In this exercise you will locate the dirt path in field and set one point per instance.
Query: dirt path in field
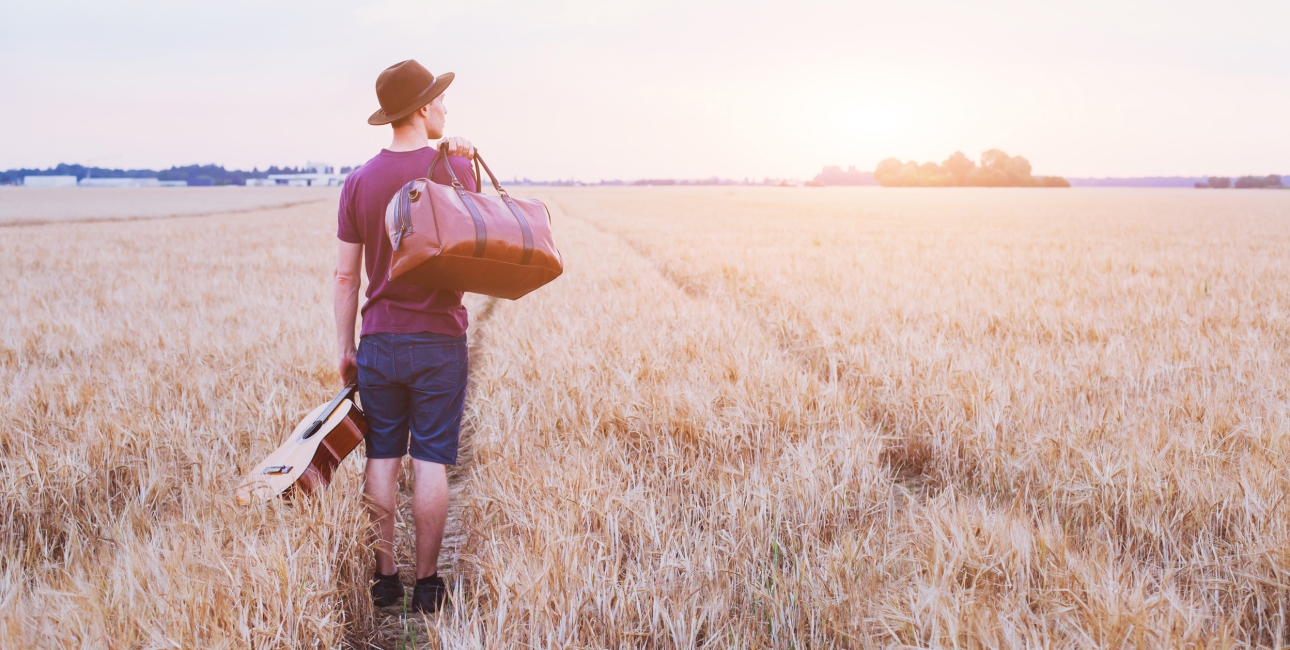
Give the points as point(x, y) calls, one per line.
point(398, 629)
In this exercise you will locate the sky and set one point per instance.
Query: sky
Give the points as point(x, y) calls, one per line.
point(598, 89)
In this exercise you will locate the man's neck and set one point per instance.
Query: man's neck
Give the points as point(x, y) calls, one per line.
point(409, 138)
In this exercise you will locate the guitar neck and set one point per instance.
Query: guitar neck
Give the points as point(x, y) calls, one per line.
point(330, 408)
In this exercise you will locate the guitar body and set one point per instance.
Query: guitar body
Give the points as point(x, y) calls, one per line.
point(307, 458)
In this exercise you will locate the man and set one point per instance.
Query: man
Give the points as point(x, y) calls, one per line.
point(411, 363)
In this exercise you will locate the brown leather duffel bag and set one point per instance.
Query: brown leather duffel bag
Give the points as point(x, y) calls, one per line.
point(446, 237)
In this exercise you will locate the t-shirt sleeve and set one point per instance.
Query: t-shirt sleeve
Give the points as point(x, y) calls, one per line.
point(346, 219)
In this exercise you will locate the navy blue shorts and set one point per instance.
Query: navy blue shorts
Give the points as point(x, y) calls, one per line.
point(416, 383)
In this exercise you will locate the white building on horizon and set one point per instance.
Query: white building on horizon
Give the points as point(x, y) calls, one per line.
point(319, 175)
point(49, 181)
point(119, 182)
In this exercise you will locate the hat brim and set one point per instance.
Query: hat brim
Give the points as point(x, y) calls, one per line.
point(428, 95)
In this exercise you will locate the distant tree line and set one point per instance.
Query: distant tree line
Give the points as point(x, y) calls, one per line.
point(193, 174)
point(1136, 181)
point(997, 169)
point(672, 181)
point(1271, 181)
point(644, 182)
point(835, 175)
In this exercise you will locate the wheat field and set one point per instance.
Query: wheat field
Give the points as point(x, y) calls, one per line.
point(745, 417)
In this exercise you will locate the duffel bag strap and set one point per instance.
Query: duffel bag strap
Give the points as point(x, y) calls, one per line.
point(515, 210)
point(481, 232)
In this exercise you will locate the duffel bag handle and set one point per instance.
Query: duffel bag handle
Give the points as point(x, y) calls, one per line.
point(442, 154)
point(480, 237)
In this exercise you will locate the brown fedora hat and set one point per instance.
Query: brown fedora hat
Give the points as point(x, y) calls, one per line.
point(404, 87)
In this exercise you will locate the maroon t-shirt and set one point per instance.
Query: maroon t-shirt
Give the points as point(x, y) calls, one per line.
point(392, 306)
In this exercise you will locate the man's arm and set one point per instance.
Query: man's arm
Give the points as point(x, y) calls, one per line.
point(348, 275)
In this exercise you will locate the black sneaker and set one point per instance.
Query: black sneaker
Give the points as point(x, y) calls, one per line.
point(387, 590)
point(429, 595)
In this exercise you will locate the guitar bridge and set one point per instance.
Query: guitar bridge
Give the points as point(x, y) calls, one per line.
point(278, 469)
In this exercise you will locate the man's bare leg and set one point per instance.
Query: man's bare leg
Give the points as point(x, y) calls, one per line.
point(429, 512)
point(381, 485)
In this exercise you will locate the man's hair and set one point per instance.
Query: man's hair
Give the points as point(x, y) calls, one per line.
point(403, 121)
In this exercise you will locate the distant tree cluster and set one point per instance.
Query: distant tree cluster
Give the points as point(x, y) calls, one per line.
point(1271, 181)
point(194, 174)
point(997, 169)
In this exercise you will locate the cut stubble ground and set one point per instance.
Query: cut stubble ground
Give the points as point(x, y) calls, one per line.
point(744, 417)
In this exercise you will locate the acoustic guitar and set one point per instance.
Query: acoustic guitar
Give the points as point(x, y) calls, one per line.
point(307, 458)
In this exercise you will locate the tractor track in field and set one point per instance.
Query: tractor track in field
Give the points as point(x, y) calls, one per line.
point(698, 290)
point(400, 628)
point(905, 471)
